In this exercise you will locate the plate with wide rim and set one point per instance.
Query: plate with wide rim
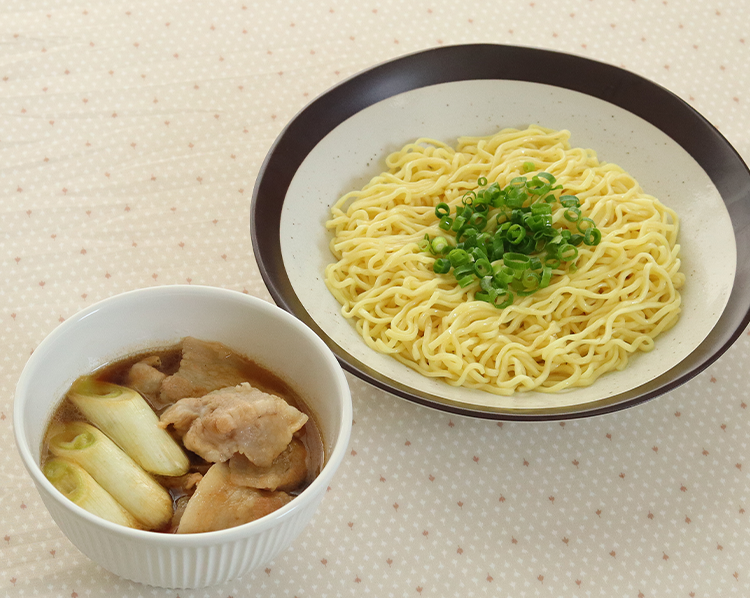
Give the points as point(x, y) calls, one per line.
point(339, 141)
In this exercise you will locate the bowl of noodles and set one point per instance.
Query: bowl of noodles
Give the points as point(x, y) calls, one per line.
point(508, 233)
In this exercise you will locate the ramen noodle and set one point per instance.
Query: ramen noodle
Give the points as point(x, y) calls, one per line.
point(592, 316)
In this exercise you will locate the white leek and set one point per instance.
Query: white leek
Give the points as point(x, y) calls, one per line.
point(115, 471)
point(125, 416)
point(78, 486)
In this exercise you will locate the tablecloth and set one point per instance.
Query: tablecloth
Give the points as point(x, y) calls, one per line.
point(131, 134)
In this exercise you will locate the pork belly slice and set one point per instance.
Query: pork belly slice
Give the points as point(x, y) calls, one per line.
point(147, 379)
point(238, 419)
point(287, 472)
point(219, 504)
point(204, 367)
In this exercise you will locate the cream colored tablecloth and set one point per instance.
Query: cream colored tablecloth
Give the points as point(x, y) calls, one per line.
point(131, 134)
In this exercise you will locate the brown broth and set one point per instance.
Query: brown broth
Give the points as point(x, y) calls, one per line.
point(116, 372)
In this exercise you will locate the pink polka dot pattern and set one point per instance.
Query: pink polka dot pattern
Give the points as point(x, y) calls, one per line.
point(131, 137)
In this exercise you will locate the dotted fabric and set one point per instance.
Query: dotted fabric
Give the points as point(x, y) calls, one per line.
point(131, 134)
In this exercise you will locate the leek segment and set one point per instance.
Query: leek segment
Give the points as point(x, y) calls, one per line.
point(125, 416)
point(115, 471)
point(78, 486)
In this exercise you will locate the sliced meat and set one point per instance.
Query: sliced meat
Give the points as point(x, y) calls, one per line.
point(287, 472)
point(219, 504)
point(239, 419)
point(204, 367)
point(147, 379)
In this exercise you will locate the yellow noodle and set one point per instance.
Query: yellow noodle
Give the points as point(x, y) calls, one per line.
point(585, 323)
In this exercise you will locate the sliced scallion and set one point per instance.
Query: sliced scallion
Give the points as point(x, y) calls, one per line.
point(505, 238)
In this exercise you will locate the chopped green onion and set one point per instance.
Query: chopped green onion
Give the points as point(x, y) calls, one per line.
point(539, 222)
point(588, 224)
point(504, 276)
point(477, 253)
point(567, 252)
point(484, 240)
point(424, 244)
point(592, 236)
point(546, 277)
point(552, 263)
point(498, 247)
point(508, 299)
point(465, 281)
point(547, 177)
point(482, 267)
point(441, 266)
point(576, 239)
point(517, 261)
point(538, 186)
point(516, 233)
point(442, 209)
point(464, 270)
point(495, 195)
point(569, 201)
point(458, 257)
point(516, 247)
point(470, 237)
point(478, 221)
point(530, 280)
point(526, 246)
point(515, 198)
point(541, 208)
point(439, 244)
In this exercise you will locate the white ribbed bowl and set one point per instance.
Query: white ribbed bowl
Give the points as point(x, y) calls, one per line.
point(157, 317)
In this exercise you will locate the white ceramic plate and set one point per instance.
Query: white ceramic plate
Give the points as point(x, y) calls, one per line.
point(625, 119)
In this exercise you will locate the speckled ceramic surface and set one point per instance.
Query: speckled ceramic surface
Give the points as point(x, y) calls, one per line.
point(355, 151)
